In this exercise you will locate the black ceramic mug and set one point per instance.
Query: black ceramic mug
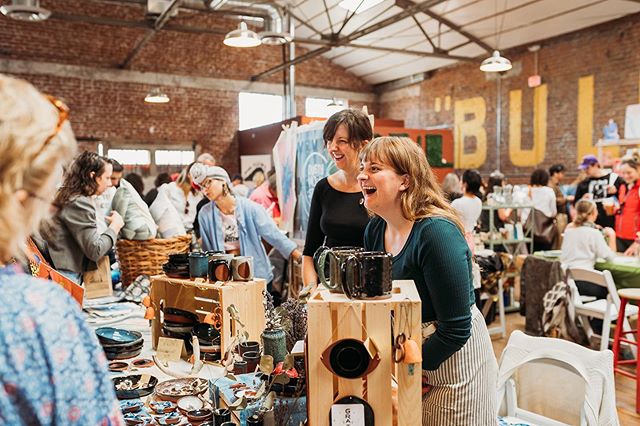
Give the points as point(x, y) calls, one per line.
point(250, 346)
point(221, 415)
point(219, 269)
point(368, 275)
point(253, 359)
point(337, 256)
point(198, 264)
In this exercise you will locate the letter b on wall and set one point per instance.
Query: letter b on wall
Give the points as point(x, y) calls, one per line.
point(469, 116)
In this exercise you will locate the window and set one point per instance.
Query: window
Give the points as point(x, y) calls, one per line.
point(321, 107)
point(130, 156)
point(166, 157)
point(258, 109)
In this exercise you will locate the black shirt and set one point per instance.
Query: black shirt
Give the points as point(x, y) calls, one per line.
point(338, 216)
point(597, 186)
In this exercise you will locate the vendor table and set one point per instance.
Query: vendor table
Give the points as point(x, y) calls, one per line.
point(624, 269)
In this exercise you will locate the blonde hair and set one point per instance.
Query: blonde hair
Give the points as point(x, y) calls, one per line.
point(423, 198)
point(27, 119)
point(584, 208)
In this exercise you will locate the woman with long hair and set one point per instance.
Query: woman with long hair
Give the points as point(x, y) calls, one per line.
point(78, 236)
point(52, 369)
point(415, 223)
point(184, 197)
point(336, 216)
point(628, 217)
point(237, 225)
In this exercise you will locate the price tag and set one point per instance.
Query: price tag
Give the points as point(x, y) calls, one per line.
point(347, 415)
point(170, 349)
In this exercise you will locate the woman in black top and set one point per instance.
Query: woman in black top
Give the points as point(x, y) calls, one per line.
point(337, 216)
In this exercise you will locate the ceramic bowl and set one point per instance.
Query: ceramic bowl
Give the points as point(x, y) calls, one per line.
point(118, 366)
point(179, 258)
point(206, 333)
point(130, 406)
point(134, 386)
point(199, 415)
point(116, 354)
point(179, 316)
point(139, 418)
point(172, 390)
point(116, 336)
point(163, 407)
point(190, 403)
point(170, 419)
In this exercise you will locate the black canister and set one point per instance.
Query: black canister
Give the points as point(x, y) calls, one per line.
point(198, 264)
point(221, 415)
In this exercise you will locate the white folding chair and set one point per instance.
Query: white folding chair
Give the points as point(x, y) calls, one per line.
point(544, 381)
point(604, 309)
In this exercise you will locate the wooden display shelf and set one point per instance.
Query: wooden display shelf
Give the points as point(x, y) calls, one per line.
point(329, 321)
point(201, 297)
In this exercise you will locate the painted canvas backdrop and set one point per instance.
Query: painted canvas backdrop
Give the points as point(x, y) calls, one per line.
point(284, 159)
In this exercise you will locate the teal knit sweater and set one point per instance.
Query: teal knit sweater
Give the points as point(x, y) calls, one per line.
point(437, 258)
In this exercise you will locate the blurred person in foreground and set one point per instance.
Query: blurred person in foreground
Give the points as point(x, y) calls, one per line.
point(52, 369)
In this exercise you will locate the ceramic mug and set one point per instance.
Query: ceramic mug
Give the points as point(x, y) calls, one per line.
point(337, 256)
point(221, 415)
point(250, 346)
point(368, 275)
point(197, 265)
point(242, 268)
point(253, 359)
point(219, 269)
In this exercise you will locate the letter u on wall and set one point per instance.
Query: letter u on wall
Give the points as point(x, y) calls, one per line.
point(535, 155)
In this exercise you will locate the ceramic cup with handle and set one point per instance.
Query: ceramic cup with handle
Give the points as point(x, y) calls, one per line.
point(336, 256)
point(242, 268)
point(368, 275)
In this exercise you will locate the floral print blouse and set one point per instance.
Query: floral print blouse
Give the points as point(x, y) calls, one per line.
point(52, 368)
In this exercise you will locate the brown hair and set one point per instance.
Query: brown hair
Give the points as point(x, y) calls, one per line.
point(357, 123)
point(423, 197)
point(584, 208)
point(29, 163)
point(78, 179)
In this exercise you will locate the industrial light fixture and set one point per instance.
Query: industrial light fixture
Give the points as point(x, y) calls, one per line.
point(495, 63)
point(335, 103)
point(358, 6)
point(156, 96)
point(25, 10)
point(242, 37)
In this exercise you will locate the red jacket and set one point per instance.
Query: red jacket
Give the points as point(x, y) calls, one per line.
point(628, 217)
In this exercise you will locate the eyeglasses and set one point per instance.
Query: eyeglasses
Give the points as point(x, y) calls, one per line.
point(63, 115)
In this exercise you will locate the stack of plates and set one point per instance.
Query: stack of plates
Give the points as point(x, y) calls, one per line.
point(118, 343)
point(178, 324)
point(177, 266)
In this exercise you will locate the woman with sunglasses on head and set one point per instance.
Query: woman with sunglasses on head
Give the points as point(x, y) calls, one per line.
point(336, 215)
point(237, 225)
point(414, 222)
point(78, 236)
point(52, 369)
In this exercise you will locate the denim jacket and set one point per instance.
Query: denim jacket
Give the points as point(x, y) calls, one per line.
point(253, 223)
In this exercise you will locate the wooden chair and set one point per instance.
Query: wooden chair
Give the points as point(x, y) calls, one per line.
point(604, 309)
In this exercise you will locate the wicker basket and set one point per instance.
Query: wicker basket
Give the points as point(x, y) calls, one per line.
point(147, 257)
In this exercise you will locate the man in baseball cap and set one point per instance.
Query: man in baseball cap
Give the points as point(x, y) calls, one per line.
point(600, 187)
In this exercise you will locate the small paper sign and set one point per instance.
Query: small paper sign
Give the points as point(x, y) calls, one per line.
point(347, 415)
point(170, 349)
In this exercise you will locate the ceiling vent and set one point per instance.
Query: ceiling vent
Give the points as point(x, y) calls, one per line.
point(25, 10)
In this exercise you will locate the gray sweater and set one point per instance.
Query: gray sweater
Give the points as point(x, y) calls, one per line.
point(74, 241)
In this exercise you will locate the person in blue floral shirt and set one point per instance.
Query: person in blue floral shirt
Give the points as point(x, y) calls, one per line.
point(52, 368)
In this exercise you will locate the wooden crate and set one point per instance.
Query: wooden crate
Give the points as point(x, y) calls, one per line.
point(333, 317)
point(202, 297)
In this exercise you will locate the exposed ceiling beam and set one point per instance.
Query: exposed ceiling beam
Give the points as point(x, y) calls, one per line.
point(157, 26)
point(351, 37)
point(386, 49)
point(457, 28)
point(433, 46)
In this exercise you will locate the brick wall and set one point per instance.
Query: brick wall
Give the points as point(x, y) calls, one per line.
point(607, 53)
point(116, 111)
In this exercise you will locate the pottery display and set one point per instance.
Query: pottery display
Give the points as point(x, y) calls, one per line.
point(172, 390)
point(134, 386)
point(119, 344)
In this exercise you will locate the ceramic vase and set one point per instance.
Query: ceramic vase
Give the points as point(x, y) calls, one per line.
point(274, 343)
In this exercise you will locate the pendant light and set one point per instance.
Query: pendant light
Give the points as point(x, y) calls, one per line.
point(156, 96)
point(496, 62)
point(242, 37)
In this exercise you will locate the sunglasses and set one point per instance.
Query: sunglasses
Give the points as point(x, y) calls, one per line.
point(63, 115)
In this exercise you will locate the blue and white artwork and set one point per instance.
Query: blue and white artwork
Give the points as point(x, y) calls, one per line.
point(312, 164)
